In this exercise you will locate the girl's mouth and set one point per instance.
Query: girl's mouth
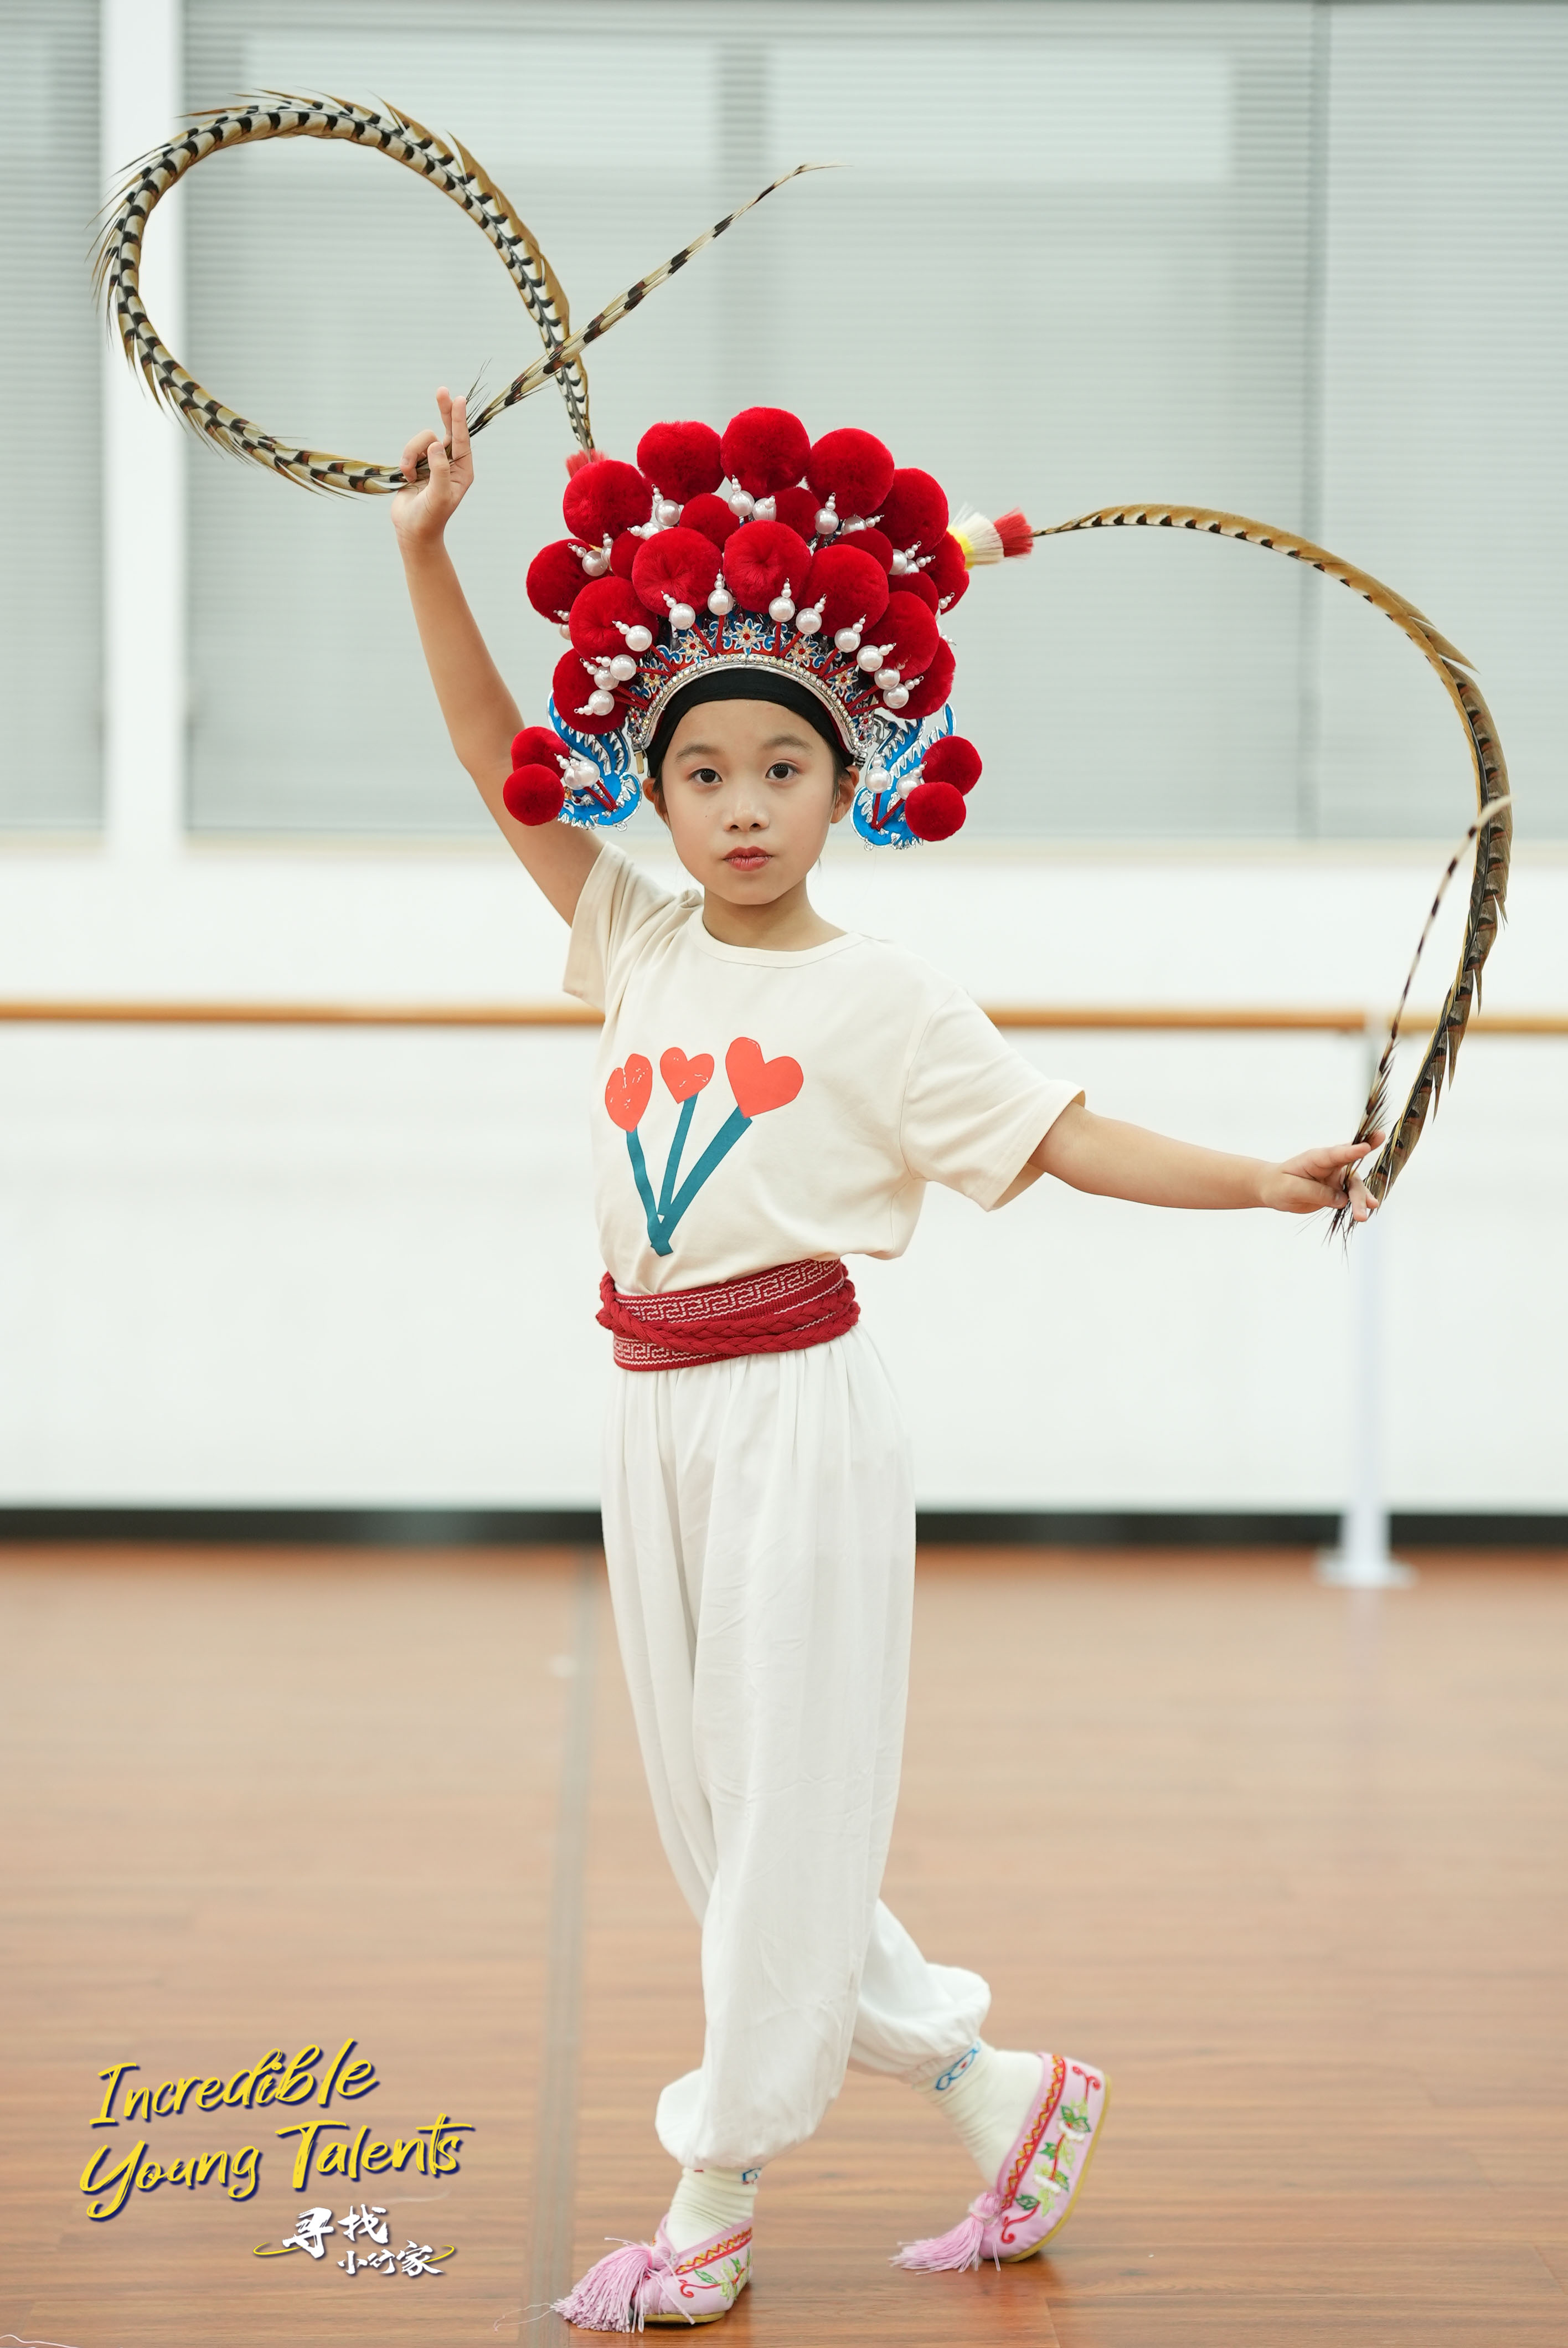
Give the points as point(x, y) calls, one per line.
point(747, 859)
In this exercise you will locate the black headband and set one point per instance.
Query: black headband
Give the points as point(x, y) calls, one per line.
point(742, 684)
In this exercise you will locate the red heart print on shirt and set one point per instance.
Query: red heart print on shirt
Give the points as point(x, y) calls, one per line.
point(684, 1077)
point(757, 1084)
point(629, 1092)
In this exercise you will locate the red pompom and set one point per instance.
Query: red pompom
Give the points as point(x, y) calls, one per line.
point(796, 508)
point(536, 746)
point(675, 566)
point(569, 690)
point(952, 761)
point(682, 461)
point(907, 627)
point(875, 542)
point(853, 469)
point(932, 691)
point(765, 558)
point(533, 795)
point(711, 516)
point(764, 448)
point(916, 582)
point(850, 587)
point(934, 810)
point(948, 571)
point(555, 579)
point(623, 552)
point(604, 497)
point(914, 513)
point(594, 615)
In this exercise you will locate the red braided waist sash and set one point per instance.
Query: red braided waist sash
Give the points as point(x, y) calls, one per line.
point(780, 1311)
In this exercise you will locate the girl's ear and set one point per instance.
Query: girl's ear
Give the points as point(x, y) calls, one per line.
point(844, 794)
point(653, 792)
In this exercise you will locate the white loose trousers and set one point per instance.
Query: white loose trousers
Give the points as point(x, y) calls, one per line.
point(759, 1524)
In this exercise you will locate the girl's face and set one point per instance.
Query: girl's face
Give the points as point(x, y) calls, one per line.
point(749, 793)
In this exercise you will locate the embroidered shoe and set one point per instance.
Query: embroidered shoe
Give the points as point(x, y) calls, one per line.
point(654, 2283)
point(1037, 2183)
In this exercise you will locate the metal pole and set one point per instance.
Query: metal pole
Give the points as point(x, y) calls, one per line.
point(1362, 1560)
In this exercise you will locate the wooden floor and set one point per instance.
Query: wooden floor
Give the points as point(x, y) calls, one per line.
point(1288, 1862)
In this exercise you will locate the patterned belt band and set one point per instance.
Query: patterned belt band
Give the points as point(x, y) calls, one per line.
point(775, 1312)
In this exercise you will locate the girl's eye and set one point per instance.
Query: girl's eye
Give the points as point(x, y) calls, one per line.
point(780, 772)
point(704, 775)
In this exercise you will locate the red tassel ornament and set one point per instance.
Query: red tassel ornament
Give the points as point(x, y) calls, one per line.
point(948, 571)
point(953, 760)
point(853, 471)
point(934, 810)
point(874, 542)
point(574, 693)
point(711, 516)
point(850, 587)
point(934, 686)
point(1016, 532)
point(764, 450)
point(604, 499)
point(763, 562)
point(533, 795)
point(909, 628)
point(675, 572)
point(797, 509)
point(536, 746)
point(681, 460)
point(915, 511)
point(555, 579)
point(602, 613)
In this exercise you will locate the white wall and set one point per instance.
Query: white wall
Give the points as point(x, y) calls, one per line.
point(274, 1266)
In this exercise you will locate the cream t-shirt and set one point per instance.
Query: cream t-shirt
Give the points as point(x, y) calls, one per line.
point(753, 1109)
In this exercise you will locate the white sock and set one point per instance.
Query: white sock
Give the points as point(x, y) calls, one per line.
point(710, 2201)
point(986, 2095)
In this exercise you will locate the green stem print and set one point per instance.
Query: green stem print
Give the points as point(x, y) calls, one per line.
point(672, 1163)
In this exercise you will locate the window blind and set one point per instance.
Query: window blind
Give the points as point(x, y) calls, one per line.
point(1078, 252)
point(50, 582)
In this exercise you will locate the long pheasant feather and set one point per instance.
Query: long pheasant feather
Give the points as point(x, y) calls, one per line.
point(1492, 830)
point(386, 130)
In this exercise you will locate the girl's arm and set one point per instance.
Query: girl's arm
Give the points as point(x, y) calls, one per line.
point(1124, 1161)
point(481, 715)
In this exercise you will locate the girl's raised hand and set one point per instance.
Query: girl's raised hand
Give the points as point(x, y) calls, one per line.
point(421, 512)
point(1322, 1177)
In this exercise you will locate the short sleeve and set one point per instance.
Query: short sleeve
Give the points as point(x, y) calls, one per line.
point(619, 900)
point(974, 1109)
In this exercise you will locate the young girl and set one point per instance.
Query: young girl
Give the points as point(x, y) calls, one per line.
point(772, 659)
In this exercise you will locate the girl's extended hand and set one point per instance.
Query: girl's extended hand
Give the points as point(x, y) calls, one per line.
point(421, 512)
point(1321, 1178)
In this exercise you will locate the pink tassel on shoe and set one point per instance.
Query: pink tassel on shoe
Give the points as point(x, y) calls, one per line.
point(606, 2298)
point(957, 2249)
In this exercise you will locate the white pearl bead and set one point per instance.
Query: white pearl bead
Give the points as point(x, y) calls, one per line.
point(847, 640)
point(869, 658)
point(681, 615)
point(764, 510)
point(898, 697)
point(826, 522)
point(668, 511)
point(595, 563)
point(806, 623)
point(901, 565)
point(602, 676)
point(741, 502)
point(721, 603)
point(600, 704)
point(886, 678)
point(623, 668)
point(781, 609)
point(876, 780)
point(566, 632)
point(637, 640)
